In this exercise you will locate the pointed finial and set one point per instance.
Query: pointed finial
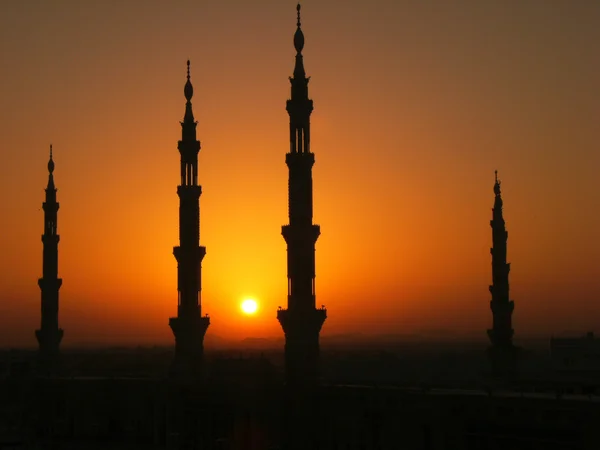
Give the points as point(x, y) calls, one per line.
point(51, 162)
point(298, 36)
point(188, 90)
point(496, 183)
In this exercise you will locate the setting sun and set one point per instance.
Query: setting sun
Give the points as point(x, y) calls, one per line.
point(249, 306)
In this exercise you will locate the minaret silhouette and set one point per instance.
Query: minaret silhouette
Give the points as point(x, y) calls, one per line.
point(189, 327)
point(502, 351)
point(50, 335)
point(301, 321)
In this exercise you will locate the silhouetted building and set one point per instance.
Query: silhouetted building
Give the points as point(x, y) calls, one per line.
point(50, 335)
point(189, 327)
point(301, 321)
point(503, 353)
point(576, 355)
point(119, 412)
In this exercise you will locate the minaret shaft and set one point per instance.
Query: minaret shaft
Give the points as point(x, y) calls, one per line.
point(50, 335)
point(189, 327)
point(502, 308)
point(502, 351)
point(301, 321)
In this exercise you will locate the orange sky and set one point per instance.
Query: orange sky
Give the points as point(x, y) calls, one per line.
point(416, 105)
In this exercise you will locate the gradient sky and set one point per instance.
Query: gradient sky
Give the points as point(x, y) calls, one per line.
point(416, 104)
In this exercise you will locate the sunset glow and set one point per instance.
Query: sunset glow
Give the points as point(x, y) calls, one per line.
point(415, 105)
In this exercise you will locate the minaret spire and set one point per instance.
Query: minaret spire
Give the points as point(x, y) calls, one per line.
point(502, 351)
point(301, 321)
point(299, 81)
point(49, 335)
point(189, 327)
point(188, 119)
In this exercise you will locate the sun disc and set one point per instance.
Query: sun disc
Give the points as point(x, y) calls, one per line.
point(249, 306)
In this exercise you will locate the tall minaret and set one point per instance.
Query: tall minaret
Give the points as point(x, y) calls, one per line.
point(189, 327)
point(50, 335)
point(502, 351)
point(301, 321)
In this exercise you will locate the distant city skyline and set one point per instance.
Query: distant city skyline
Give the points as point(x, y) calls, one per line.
point(415, 107)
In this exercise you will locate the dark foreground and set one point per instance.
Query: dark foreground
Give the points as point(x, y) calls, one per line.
point(243, 404)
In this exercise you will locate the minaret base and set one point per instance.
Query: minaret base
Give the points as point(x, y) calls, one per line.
point(504, 361)
point(302, 330)
point(189, 347)
point(301, 418)
point(49, 350)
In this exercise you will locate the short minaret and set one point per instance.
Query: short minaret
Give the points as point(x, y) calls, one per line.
point(502, 351)
point(301, 321)
point(50, 335)
point(189, 327)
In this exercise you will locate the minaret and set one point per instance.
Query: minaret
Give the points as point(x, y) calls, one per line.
point(50, 335)
point(502, 351)
point(301, 321)
point(189, 327)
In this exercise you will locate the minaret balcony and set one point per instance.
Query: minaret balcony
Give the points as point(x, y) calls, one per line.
point(189, 255)
point(50, 283)
point(302, 320)
point(50, 238)
point(297, 160)
point(189, 191)
point(295, 233)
